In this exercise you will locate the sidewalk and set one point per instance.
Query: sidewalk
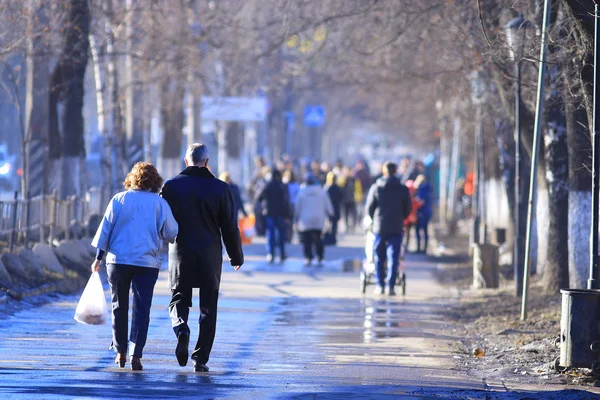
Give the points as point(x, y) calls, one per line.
point(285, 331)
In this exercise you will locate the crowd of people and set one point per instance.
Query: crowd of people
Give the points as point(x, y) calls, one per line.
point(312, 199)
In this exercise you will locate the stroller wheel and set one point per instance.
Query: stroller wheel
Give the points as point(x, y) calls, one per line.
point(363, 282)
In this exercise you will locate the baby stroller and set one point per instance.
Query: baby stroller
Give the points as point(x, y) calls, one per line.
point(367, 274)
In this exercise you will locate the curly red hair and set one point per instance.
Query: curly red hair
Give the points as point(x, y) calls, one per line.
point(143, 176)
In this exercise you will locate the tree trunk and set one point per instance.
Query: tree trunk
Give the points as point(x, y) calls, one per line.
point(66, 87)
point(147, 133)
point(578, 131)
point(193, 122)
point(235, 142)
point(134, 105)
point(580, 194)
point(105, 159)
point(118, 134)
point(36, 102)
point(172, 118)
point(222, 155)
point(506, 145)
point(556, 270)
point(195, 87)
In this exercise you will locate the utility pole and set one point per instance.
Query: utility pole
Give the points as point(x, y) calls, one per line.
point(594, 279)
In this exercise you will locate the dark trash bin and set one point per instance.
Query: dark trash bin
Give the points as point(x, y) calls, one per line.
point(580, 330)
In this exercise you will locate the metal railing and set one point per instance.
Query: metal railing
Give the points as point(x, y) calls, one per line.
point(45, 218)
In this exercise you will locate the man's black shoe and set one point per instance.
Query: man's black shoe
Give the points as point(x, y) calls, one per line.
point(181, 352)
point(199, 367)
point(391, 292)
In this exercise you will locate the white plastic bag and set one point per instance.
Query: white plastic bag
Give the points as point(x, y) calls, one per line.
point(92, 309)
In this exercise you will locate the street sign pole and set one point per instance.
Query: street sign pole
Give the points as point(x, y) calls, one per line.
point(314, 118)
point(594, 281)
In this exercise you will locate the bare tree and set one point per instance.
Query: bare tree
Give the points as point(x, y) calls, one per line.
point(66, 99)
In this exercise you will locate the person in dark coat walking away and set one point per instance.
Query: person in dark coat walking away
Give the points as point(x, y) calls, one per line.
point(388, 205)
point(238, 202)
point(424, 213)
point(204, 208)
point(131, 234)
point(276, 209)
point(348, 184)
point(336, 195)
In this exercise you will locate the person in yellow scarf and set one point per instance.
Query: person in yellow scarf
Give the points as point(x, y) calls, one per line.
point(349, 187)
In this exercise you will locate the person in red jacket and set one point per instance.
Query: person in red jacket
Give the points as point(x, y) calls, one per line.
point(411, 220)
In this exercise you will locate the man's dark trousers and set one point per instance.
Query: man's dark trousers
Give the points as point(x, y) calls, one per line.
point(387, 258)
point(179, 310)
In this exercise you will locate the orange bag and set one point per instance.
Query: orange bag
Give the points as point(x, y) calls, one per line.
point(247, 228)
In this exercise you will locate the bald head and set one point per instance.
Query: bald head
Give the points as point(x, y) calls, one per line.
point(196, 155)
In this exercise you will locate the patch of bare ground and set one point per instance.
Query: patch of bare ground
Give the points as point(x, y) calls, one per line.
point(495, 343)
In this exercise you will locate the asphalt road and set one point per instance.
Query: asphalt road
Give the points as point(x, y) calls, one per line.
point(284, 331)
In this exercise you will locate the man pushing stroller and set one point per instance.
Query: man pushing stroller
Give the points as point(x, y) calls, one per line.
point(388, 204)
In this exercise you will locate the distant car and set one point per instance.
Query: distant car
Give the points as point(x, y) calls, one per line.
point(7, 170)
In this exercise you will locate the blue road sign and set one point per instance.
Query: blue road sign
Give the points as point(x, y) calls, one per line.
point(314, 116)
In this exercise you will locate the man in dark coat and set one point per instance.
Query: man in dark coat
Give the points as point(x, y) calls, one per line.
point(388, 205)
point(204, 209)
point(275, 199)
point(336, 195)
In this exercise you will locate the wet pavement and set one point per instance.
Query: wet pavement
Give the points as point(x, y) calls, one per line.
point(284, 331)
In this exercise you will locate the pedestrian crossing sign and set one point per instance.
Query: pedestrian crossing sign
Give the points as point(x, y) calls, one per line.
point(314, 116)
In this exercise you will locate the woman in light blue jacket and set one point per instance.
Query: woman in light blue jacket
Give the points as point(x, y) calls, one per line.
point(131, 235)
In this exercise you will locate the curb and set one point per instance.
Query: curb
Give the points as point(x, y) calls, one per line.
point(50, 287)
point(45, 288)
point(17, 295)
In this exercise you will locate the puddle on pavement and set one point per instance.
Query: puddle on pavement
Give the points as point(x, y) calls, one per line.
point(359, 321)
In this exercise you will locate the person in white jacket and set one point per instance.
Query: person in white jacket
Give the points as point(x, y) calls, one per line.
point(312, 209)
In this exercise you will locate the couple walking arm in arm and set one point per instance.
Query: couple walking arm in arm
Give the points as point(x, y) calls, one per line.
point(203, 209)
